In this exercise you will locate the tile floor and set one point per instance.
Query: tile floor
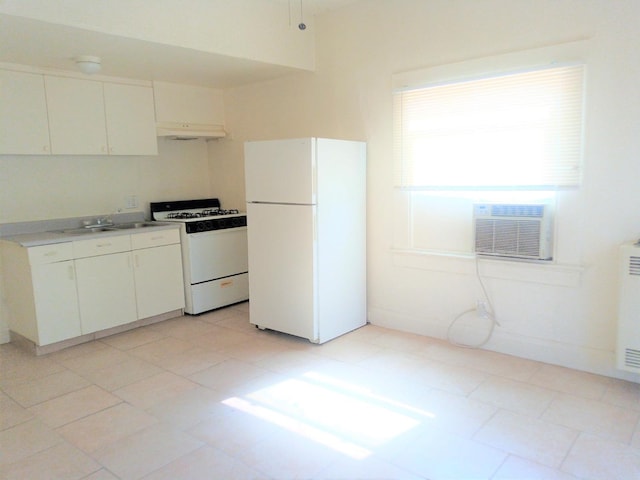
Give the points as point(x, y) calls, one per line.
point(212, 397)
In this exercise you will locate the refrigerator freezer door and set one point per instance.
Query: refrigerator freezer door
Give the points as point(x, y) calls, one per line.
point(282, 268)
point(281, 171)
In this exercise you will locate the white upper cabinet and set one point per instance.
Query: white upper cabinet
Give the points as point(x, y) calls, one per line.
point(76, 116)
point(130, 119)
point(89, 117)
point(187, 106)
point(24, 128)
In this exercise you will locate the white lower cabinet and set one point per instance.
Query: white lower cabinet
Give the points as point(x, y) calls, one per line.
point(106, 291)
point(65, 290)
point(127, 278)
point(40, 292)
point(157, 260)
point(56, 303)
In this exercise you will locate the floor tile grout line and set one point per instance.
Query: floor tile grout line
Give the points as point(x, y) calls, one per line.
point(89, 383)
point(569, 450)
point(501, 466)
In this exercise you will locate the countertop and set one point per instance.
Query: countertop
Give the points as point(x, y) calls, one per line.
point(46, 232)
point(47, 238)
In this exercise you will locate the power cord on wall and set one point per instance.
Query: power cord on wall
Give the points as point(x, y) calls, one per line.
point(481, 311)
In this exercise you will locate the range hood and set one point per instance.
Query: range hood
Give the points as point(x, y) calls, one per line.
point(189, 131)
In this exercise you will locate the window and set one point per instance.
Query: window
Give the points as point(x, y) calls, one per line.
point(519, 130)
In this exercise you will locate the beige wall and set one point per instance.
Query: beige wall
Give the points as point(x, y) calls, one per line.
point(59, 186)
point(564, 315)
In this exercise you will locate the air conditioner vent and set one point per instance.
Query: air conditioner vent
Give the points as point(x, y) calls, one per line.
point(634, 265)
point(517, 210)
point(513, 230)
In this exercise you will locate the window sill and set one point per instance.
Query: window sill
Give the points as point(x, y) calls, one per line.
point(547, 273)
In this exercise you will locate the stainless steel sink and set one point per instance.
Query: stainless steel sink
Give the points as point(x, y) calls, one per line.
point(124, 226)
point(81, 231)
point(108, 228)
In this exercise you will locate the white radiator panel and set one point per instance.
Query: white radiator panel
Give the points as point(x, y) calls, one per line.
point(628, 348)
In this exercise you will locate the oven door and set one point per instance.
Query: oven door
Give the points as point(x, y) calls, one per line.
point(216, 254)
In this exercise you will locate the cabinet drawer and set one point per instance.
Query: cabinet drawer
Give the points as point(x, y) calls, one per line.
point(57, 252)
point(101, 246)
point(155, 239)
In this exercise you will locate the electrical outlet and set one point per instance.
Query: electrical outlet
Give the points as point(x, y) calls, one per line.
point(131, 201)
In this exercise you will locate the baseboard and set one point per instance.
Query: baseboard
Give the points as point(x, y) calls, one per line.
point(30, 346)
point(577, 357)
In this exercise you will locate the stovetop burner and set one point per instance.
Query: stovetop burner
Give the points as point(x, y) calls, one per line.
point(198, 215)
point(202, 214)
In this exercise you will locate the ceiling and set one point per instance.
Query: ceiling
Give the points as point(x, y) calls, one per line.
point(46, 45)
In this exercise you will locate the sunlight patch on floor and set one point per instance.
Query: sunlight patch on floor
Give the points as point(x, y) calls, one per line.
point(338, 414)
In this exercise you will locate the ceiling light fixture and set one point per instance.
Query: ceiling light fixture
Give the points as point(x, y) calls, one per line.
point(88, 64)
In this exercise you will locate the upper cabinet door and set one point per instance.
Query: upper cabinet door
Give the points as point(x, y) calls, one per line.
point(130, 118)
point(76, 116)
point(24, 127)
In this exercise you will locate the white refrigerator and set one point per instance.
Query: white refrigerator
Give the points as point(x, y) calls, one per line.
point(306, 226)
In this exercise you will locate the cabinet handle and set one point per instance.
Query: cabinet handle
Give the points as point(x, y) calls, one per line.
point(51, 253)
point(72, 275)
point(137, 261)
point(102, 245)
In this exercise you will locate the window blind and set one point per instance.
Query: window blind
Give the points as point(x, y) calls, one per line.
point(513, 131)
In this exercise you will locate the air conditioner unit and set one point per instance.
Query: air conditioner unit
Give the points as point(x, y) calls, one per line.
point(628, 349)
point(513, 230)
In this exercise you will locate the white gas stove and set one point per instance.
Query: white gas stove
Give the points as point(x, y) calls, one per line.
point(214, 251)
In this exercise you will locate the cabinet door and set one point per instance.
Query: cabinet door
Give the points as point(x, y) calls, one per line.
point(24, 128)
point(159, 281)
point(131, 124)
point(56, 301)
point(76, 116)
point(106, 291)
